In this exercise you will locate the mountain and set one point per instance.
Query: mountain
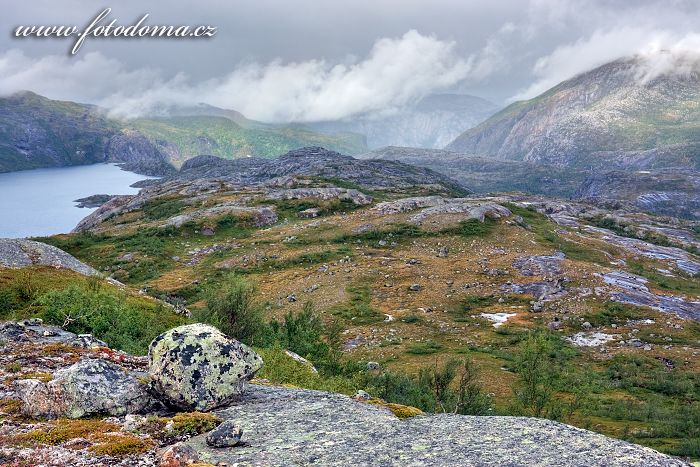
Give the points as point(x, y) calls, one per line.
point(614, 114)
point(430, 123)
point(186, 136)
point(39, 132)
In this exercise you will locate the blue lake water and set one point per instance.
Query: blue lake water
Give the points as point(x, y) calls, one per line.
point(41, 202)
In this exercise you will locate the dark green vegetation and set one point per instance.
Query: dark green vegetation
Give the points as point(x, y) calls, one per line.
point(85, 305)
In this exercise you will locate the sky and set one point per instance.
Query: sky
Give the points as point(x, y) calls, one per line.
point(304, 60)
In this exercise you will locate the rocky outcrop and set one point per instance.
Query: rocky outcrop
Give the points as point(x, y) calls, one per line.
point(318, 162)
point(325, 194)
point(112, 207)
point(89, 387)
point(431, 206)
point(21, 253)
point(271, 426)
point(136, 153)
point(261, 216)
point(197, 367)
point(346, 432)
point(672, 192)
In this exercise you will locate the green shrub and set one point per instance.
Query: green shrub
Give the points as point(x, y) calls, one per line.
point(472, 228)
point(357, 308)
point(424, 348)
point(232, 309)
point(111, 316)
point(161, 208)
point(614, 313)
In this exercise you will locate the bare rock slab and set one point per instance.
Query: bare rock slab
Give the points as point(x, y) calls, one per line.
point(290, 427)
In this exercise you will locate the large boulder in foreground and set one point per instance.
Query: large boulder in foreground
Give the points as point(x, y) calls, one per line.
point(88, 387)
point(197, 367)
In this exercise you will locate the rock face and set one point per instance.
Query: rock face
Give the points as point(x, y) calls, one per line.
point(346, 432)
point(89, 387)
point(198, 367)
point(671, 192)
point(20, 253)
point(589, 119)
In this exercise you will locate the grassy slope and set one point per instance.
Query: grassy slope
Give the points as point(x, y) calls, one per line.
point(629, 393)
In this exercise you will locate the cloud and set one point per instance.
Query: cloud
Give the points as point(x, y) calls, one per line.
point(395, 72)
point(659, 52)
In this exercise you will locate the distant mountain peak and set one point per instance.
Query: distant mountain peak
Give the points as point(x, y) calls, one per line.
point(632, 104)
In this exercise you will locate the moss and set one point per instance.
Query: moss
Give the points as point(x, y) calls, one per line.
point(184, 424)
point(13, 367)
point(401, 411)
point(194, 423)
point(120, 445)
point(41, 376)
point(64, 430)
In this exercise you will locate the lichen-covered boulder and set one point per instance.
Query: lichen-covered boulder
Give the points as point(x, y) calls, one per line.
point(88, 387)
point(197, 367)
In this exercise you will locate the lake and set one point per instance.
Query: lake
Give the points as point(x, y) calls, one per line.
point(41, 202)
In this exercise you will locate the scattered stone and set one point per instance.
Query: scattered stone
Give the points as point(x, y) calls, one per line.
point(291, 298)
point(546, 266)
point(596, 339)
point(372, 366)
point(198, 367)
point(226, 435)
point(178, 455)
point(87, 341)
point(309, 213)
point(415, 287)
point(443, 252)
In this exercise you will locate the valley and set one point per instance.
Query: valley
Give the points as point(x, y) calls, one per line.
point(412, 276)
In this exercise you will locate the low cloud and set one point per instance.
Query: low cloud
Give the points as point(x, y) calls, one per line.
point(395, 72)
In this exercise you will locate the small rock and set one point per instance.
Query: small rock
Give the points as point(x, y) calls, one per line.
point(443, 252)
point(226, 435)
point(178, 455)
point(586, 325)
point(372, 366)
point(291, 298)
point(208, 232)
point(414, 287)
point(361, 395)
point(87, 341)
